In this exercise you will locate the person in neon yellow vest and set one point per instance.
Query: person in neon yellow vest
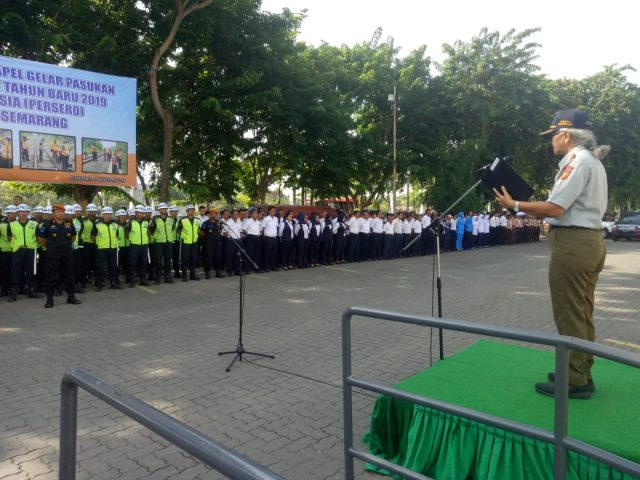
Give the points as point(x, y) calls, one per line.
point(161, 228)
point(105, 236)
point(137, 232)
point(88, 245)
point(5, 249)
point(188, 233)
point(22, 233)
point(123, 243)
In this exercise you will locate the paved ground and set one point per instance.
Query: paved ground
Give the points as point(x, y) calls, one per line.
point(161, 344)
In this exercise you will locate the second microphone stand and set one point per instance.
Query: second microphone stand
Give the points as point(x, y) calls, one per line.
point(242, 254)
point(436, 228)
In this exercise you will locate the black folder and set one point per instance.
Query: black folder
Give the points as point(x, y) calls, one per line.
point(500, 174)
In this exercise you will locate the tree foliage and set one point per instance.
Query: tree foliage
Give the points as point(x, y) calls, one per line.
point(251, 107)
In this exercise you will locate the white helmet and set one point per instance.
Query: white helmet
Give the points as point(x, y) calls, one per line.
point(121, 212)
point(190, 207)
point(77, 207)
point(155, 214)
point(92, 207)
point(46, 209)
point(131, 212)
point(23, 207)
point(139, 208)
point(11, 209)
point(162, 205)
point(106, 210)
point(173, 208)
point(37, 209)
point(69, 210)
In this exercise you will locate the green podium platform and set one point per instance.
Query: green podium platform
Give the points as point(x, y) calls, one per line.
point(498, 379)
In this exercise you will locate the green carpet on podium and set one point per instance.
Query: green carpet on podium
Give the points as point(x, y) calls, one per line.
point(498, 379)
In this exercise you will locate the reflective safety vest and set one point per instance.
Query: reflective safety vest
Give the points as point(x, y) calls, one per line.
point(77, 225)
point(123, 241)
point(23, 235)
point(87, 229)
point(189, 230)
point(163, 227)
point(107, 235)
point(5, 244)
point(172, 224)
point(138, 234)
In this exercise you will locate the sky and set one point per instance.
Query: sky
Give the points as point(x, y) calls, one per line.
point(577, 38)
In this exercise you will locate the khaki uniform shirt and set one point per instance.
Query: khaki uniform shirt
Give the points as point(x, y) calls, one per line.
point(581, 189)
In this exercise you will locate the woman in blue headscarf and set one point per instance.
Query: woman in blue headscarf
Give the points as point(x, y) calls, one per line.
point(459, 230)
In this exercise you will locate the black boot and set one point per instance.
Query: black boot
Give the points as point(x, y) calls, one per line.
point(158, 281)
point(116, 286)
point(34, 294)
point(49, 303)
point(73, 300)
point(13, 295)
point(207, 275)
point(168, 279)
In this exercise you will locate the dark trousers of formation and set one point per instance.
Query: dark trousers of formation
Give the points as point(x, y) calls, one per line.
point(70, 272)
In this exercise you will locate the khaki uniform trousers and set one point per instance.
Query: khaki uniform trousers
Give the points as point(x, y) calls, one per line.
point(577, 258)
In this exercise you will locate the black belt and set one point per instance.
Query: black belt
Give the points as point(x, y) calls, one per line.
point(556, 227)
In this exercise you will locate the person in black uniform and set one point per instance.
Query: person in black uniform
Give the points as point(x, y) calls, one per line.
point(57, 236)
point(211, 235)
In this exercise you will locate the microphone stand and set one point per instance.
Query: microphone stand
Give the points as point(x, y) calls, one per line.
point(436, 228)
point(240, 351)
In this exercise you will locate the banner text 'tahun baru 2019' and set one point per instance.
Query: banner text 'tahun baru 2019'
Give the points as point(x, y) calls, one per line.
point(62, 125)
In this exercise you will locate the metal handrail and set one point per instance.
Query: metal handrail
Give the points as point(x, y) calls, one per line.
point(222, 459)
point(559, 438)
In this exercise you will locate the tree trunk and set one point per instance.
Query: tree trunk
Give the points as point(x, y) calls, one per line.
point(83, 194)
point(183, 9)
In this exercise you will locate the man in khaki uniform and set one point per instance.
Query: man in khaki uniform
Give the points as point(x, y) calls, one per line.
point(574, 210)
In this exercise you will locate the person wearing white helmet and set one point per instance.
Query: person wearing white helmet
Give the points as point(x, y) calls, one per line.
point(160, 229)
point(173, 238)
point(37, 213)
point(105, 236)
point(88, 245)
point(123, 243)
point(56, 237)
point(5, 249)
point(77, 246)
point(137, 232)
point(22, 233)
point(187, 231)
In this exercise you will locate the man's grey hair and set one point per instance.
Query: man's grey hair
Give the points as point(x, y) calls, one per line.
point(587, 139)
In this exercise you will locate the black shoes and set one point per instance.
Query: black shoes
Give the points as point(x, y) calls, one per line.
point(195, 278)
point(132, 285)
point(49, 303)
point(13, 295)
point(73, 300)
point(582, 392)
point(98, 288)
point(168, 279)
point(144, 283)
point(115, 286)
point(219, 274)
point(158, 281)
point(34, 294)
point(207, 275)
point(552, 378)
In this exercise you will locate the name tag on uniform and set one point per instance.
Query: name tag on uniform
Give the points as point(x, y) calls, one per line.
point(55, 235)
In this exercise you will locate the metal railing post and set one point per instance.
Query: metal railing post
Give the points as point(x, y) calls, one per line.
point(347, 395)
point(68, 429)
point(561, 414)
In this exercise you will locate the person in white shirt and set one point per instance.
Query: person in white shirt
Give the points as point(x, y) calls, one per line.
point(407, 224)
point(377, 234)
point(397, 234)
point(388, 240)
point(428, 238)
point(502, 229)
point(232, 230)
point(416, 231)
point(352, 241)
point(340, 234)
point(285, 234)
point(301, 234)
point(365, 231)
point(493, 229)
point(253, 231)
point(475, 231)
point(270, 241)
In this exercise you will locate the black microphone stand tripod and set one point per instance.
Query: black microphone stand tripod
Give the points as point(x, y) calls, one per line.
point(240, 351)
point(436, 228)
